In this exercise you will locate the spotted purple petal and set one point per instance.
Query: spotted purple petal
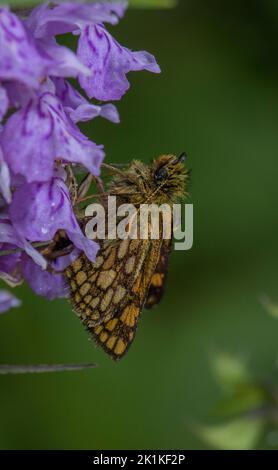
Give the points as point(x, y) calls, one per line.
point(10, 235)
point(62, 61)
point(109, 63)
point(78, 108)
point(25, 59)
point(18, 94)
point(19, 56)
point(61, 263)
point(39, 210)
point(86, 112)
point(49, 285)
point(7, 301)
point(45, 133)
point(71, 16)
point(83, 243)
point(67, 94)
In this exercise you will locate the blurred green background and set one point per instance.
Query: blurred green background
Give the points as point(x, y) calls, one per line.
point(217, 98)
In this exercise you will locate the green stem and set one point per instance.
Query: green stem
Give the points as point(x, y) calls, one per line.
point(7, 369)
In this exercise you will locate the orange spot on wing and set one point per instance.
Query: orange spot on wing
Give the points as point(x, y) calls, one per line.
point(157, 280)
point(120, 347)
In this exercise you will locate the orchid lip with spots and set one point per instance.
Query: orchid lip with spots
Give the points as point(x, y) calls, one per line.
point(41, 144)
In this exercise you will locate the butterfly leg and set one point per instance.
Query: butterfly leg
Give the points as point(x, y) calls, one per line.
point(72, 184)
point(85, 186)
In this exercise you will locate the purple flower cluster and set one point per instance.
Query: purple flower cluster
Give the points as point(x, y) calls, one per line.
point(39, 135)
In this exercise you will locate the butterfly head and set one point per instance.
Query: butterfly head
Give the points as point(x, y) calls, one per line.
point(169, 177)
point(163, 181)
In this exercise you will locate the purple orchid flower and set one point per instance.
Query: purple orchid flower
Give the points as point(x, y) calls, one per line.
point(109, 63)
point(39, 210)
point(51, 285)
point(72, 16)
point(44, 283)
point(44, 134)
point(19, 57)
point(78, 108)
point(39, 136)
point(29, 61)
point(9, 235)
point(7, 301)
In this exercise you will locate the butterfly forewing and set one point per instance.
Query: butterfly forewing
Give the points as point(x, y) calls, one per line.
point(97, 289)
point(109, 295)
point(116, 334)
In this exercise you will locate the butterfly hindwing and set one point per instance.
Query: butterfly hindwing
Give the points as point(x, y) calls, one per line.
point(116, 334)
point(158, 279)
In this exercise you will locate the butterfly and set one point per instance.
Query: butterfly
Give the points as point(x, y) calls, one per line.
point(128, 274)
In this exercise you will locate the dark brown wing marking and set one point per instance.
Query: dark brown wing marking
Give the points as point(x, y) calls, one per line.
point(157, 284)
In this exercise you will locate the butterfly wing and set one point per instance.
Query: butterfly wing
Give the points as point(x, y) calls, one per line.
point(158, 279)
point(109, 294)
point(116, 334)
point(97, 289)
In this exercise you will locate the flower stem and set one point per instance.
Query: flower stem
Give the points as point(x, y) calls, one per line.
point(7, 369)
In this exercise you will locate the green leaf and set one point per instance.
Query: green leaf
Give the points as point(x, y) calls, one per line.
point(271, 307)
point(132, 3)
point(244, 399)
point(239, 434)
point(229, 370)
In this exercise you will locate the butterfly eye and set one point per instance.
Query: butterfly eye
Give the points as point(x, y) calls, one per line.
point(160, 174)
